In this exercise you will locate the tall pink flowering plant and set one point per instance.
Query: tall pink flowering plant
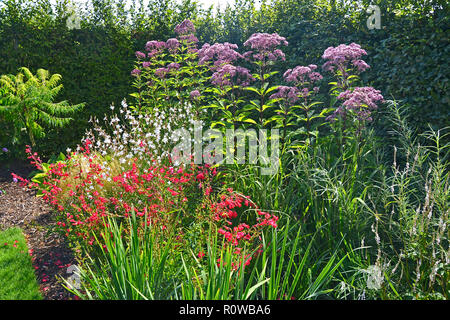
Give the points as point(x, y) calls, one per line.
point(214, 80)
point(355, 104)
point(167, 72)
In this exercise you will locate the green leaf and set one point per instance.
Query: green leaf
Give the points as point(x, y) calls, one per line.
point(248, 120)
point(252, 89)
point(217, 123)
point(267, 106)
point(61, 157)
point(271, 89)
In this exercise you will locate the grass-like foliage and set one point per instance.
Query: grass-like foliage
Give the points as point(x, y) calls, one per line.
point(17, 278)
point(148, 266)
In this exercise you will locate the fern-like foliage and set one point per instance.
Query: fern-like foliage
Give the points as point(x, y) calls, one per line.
point(27, 101)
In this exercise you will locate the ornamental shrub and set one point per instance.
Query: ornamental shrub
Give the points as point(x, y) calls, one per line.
point(27, 101)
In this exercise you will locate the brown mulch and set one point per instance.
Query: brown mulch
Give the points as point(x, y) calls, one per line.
point(50, 253)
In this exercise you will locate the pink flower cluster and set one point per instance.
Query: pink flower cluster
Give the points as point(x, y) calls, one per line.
point(185, 32)
point(135, 72)
point(172, 45)
point(190, 40)
point(361, 100)
point(227, 75)
point(289, 94)
point(265, 41)
point(194, 94)
point(161, 72)
point(265, 45)
point(184, 28)
point(301, 75)
point(303, 79)
point(154, 47)
point(219, 54)
point(140, 55)
point(339, 57)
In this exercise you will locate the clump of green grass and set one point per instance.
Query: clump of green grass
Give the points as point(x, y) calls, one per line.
point(17, 278)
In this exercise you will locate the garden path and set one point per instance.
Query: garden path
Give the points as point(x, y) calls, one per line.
point(50, 254)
